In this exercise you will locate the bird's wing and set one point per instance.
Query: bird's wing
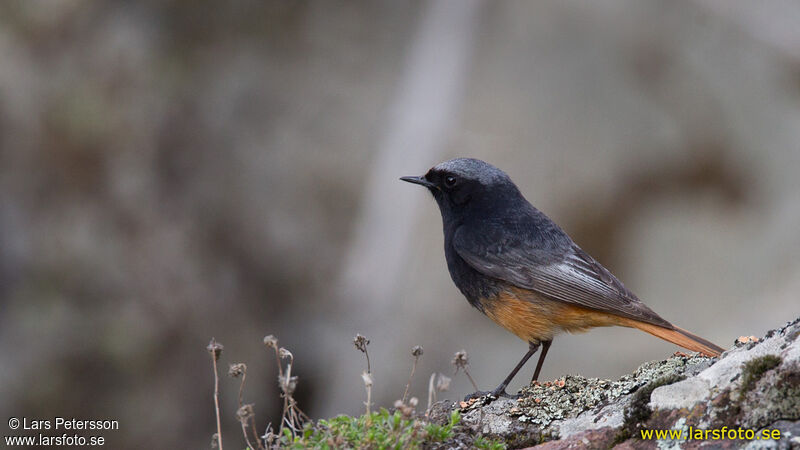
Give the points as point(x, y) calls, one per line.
point(566, 274)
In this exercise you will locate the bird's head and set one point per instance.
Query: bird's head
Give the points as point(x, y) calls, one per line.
point(462, 183)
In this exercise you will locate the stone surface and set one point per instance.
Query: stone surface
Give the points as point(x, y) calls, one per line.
point(755, 385)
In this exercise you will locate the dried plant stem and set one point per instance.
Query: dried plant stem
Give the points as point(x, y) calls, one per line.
point(410, 377)
point(367, 377)
point(431, 391)
point(241, 387)
point(246, 438)
point(461, 361)
point(216, 400)
point(244, 424)
point(295, 417)
point(255, 435)
point(285, 390)
point(474, 385)
point(247, 419)
point(361, 344)
point(278, 362)
point(291, 416)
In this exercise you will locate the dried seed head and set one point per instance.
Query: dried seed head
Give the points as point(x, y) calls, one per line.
point(271, 341)
point(361, 343)
point(287, 386)
point(236, 370)
point(285, 354)
point(461, 360)
point(443, 383)
point(245, 413)
point(416, 351)
point(405, 410)
point(269, 436)
point(215, 348)
point(413, 401)
point(367, 377)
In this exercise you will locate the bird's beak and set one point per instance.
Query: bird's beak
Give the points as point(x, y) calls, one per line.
point(419, 180)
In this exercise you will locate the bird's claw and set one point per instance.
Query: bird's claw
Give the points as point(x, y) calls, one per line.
point(505, 394)
point(491, 395)
point(476, 395)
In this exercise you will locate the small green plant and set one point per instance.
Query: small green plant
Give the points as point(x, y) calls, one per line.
point(440, 433)
point(488, 444)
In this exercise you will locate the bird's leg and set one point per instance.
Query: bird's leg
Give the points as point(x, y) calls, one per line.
point(545, 347)
point(500, 391)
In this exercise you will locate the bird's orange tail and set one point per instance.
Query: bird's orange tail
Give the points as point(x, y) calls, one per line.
point(678, 336)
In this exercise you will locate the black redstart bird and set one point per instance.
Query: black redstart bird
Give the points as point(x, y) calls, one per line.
point(519, 268)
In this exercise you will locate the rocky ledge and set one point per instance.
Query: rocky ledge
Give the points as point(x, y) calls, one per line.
point(753, 386)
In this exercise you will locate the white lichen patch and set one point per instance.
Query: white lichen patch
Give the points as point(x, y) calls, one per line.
point(574, 395)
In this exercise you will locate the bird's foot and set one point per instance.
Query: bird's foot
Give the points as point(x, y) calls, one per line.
point(505, 394)
point(491, 395)
point(476, 395)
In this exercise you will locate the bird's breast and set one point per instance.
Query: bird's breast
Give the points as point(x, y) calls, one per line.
point(473, 284)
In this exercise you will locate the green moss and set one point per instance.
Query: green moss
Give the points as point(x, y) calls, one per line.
point(639, 410)
point(753, 370)
point(777, 400)
point(380, 429)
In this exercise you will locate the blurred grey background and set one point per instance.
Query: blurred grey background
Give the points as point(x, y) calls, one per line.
point(173, 171)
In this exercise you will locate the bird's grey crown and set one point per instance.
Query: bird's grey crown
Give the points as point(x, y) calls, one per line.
point(472, 168)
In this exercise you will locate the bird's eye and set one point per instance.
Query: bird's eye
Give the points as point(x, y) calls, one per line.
point(450, 181)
